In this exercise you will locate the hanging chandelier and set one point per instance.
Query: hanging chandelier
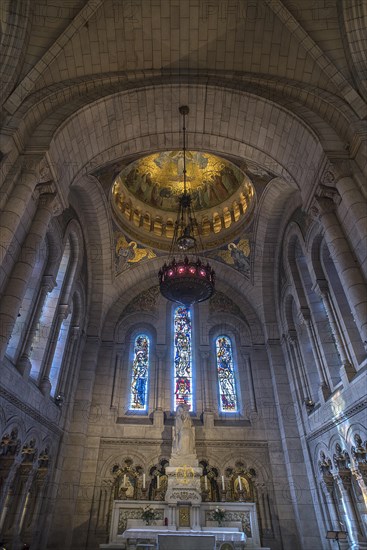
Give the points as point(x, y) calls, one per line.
point(186, 279)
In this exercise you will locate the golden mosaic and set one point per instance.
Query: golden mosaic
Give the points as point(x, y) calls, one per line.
point(157, 179)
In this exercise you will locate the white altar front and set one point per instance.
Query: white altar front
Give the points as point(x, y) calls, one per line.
point(185, 539)
point(240, 528)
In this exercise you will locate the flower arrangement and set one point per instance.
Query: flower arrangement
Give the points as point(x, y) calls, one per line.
point(148, 514)
point(219, 514)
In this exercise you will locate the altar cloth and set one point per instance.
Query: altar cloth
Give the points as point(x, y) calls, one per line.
point(221, 534)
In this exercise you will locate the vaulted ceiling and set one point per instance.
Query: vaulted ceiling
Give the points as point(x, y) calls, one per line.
point(91, 83)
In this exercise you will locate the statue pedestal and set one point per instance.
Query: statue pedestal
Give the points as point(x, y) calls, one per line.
point(183, 484)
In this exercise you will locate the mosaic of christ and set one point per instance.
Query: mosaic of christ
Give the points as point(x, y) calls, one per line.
point(158, 179)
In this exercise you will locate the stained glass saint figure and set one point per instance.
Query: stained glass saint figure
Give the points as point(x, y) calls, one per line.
point(182, 357)
point(139, 376)
point(226, 379)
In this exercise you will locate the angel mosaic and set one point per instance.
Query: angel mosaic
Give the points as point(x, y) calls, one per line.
point(129, 253)
point(236, 255)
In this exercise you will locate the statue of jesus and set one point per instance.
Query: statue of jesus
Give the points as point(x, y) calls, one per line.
point(184, 432)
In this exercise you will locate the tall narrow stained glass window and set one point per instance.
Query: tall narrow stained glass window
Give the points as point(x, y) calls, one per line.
point(226, 378)
point(139, 375)
point(183, 356)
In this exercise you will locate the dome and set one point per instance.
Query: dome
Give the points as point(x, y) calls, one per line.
point(146, 193)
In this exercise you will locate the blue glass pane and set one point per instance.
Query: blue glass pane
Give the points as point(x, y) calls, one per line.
point(139, 377)
point(227, 386)
point(182, 357)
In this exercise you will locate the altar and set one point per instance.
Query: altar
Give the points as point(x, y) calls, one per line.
point(168, 539)
point(179, 516)
point(127, 530)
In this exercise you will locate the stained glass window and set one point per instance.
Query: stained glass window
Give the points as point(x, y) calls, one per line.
point(182, 357)
point(139, 376)
point(226, 379)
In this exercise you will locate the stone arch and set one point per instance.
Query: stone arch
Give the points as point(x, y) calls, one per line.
point(238, 328)
point(287, 303)
point(353, 429)
point(105, 468)
point(130, 324)
point(143, 277)
point(18, 424)
point(74, 233)
point(77, 155)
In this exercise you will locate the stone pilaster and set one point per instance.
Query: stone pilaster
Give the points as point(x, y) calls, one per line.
point(24, 363)
point(347, 370)
point(304, 316)
point(161, 351)
point(354, 286)
point(45, 383)
point(22, 271)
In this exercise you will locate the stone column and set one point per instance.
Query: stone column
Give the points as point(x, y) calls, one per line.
point(24, 364)
point(327, 488)
point(172, 515)
point(354, 203)
point(18, 201)
point(195, 520)
point(363, 492)
point(45, 384)
point(69, 360)
point(343, 483)
point(41, 485)
point(77, 451)
point(117, 359)
point(27, 473)
point(22, 271)
point(264, 511)
point(347, 371)
point(294, 368)
point(344, 261)
point(207, 389)
point(7, 489)
point(161, 351)
point(249, 384)
point(292, 339)
point(305, 317)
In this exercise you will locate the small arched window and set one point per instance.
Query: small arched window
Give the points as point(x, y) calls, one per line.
point(182, 357)
point(45, 324)
point(140, 374)
point(226, 378)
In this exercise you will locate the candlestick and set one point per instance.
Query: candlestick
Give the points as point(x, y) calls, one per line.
point(223, 486)
point(123, 493)
point(157, 482)
point(143, 481)
point(239, 483)
point(206, 482)
point(124, 480)
point(205, 495)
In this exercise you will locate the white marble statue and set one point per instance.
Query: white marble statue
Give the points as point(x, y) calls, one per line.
point(184, 433)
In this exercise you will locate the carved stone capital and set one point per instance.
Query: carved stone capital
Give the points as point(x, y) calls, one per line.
point(321, 288)
point(63, 310)
point(44, 173)
point(204, 353)
point(336, 170)
point(343, 480)
point(161, 351)
point(304, 316)
point(74, 332)
point(291, 336)
point(48, 282)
